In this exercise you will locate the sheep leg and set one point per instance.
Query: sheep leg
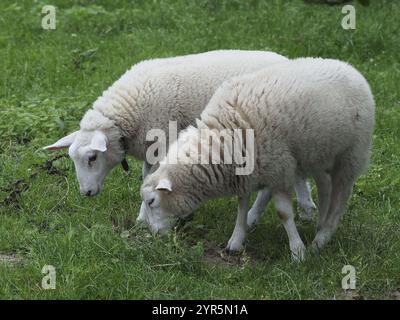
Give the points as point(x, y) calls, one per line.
point(254, 215)
point(324, 187)
point(306, 203)
point(283, 204)
point(235, 243)
point(343, 179)
point(303, 193)
point(336, 210)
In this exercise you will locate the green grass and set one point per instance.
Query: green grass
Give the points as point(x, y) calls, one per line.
point(49, 78)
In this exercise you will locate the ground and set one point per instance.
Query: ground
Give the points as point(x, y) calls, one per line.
point(48, 78)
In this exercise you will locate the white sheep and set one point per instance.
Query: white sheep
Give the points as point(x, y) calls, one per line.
point(149, 95)
point(311, 118)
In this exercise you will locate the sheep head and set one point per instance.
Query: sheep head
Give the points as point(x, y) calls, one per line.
point(168, 197)
point(95, 153)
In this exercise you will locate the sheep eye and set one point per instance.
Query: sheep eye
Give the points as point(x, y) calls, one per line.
point(92, 158)
point(150, 202)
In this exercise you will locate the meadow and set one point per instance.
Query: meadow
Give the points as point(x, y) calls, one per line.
point(49, 78)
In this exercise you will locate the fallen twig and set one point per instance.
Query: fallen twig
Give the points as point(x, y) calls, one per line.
point(14, 189)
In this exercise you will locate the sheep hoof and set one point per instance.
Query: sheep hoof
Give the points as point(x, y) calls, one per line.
point(298, 252)
point(234, 247)
point(319, 241)
point(230, 252)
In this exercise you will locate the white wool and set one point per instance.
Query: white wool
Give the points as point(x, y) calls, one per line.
point(155, 91)
point(95, 120)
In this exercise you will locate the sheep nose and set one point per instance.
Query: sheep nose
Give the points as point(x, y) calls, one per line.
point(89, 193)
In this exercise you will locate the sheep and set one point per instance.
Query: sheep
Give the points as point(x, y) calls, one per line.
point(147, 96)
point(310, 117)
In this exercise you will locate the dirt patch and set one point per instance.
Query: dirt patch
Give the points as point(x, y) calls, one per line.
point(216, 255)
point(350, 295)
point(355, 295)
point(394, 295)
point(12, 258)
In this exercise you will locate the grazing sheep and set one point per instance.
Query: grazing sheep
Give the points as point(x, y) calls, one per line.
point(148, 96)
point(311, 118)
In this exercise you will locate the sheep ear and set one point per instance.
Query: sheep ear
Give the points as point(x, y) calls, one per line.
point(164, 184)
point(99, 142)
point(63, 142)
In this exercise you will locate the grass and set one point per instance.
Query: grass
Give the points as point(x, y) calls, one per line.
point(49, 78)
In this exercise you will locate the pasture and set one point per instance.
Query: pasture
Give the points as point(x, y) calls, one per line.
point(49, 78)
